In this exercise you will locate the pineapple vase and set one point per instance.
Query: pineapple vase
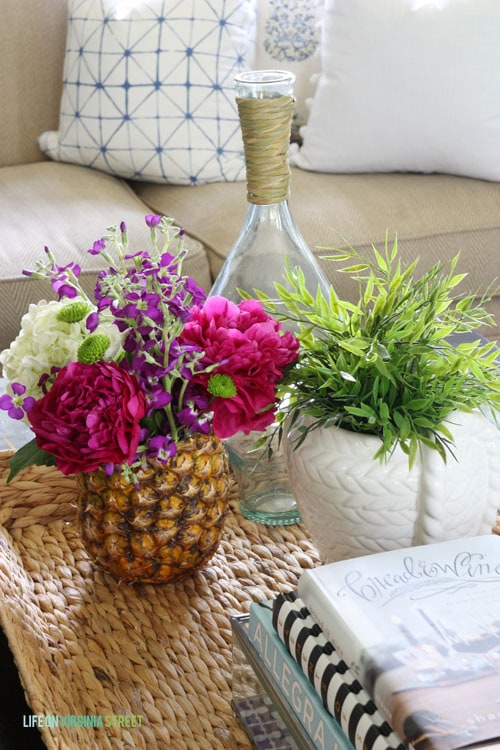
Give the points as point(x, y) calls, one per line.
point(166, 526)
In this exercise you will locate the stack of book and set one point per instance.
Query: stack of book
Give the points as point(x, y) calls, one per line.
point(393, 650)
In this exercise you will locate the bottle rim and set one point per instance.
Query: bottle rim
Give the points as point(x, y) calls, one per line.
point(265, 77)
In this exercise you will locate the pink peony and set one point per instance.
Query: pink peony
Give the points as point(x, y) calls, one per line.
point(89, 417)
point(251, 348)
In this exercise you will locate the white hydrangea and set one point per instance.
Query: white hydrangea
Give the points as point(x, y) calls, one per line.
point(45, 342)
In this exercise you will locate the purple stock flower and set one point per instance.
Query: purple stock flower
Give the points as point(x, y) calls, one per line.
point(162, 447)
point(92, 322)
point(46, 379)
point(17, 405)
point(150, 375)
point(97, 247)
point(159, 397)
point(178, 307)
point(142, 305)
point(61, 282)
point(73, 267)
point(197, 292)
point(168, 262)
point(63, 289)
point(194, 418)
point(152, 220)
point(139, 254)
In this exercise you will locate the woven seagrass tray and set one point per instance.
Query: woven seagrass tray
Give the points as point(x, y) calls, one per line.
point(86, 645)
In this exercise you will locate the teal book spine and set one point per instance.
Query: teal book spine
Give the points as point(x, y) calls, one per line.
point(323, 730)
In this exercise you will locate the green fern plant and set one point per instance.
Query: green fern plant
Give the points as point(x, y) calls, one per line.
point(384, 365)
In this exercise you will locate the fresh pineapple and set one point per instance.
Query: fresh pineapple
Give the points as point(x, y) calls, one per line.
point(166, 526)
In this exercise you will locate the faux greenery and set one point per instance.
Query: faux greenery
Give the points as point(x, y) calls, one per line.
point(383, 365)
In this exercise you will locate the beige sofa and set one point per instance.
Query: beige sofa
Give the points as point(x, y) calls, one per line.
point(68, 207)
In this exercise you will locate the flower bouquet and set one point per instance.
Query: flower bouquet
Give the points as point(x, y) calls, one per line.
point(140, 381)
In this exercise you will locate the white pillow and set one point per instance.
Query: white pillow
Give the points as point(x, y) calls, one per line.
point(148, 88)
point(407, 85)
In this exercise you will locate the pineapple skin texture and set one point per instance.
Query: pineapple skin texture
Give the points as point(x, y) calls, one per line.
point(165, 528)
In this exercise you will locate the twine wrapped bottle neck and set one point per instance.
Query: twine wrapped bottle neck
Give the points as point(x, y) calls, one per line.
point(265, 126)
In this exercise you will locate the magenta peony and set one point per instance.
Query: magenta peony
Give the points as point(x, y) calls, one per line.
point(249, 347)
point(90, 417)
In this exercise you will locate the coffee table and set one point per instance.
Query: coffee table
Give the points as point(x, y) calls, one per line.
point(152, 662)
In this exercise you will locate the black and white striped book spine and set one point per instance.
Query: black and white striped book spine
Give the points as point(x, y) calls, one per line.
point(342, 694)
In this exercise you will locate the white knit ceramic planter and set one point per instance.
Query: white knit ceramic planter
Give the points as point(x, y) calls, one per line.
point(353, 505)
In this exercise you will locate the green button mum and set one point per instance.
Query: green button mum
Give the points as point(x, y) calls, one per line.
point(74, 313)
point(93, 349)
point(222, 386)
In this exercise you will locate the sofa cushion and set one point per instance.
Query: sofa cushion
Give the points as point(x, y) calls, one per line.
point(148, 89)
point(434, 217)
point(32, 42)
point(67, 208)
point(407, 86)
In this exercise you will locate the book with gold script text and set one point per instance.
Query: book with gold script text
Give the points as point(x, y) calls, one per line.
point(420, 628)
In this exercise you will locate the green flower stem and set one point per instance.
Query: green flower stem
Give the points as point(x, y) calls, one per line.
point(182, 393)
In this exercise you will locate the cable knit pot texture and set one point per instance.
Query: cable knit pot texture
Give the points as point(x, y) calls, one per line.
point(353, 505)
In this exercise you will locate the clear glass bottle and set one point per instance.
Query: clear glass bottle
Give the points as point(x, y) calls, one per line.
point(267, 241)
